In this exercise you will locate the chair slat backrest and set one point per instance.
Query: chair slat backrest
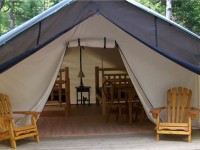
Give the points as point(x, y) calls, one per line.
point(110, 91)
point(5, 112)
point(5, 106)
point(4, 123)
point(178, 104)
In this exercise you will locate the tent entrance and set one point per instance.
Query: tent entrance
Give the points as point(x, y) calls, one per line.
point(84, 119)
point(103, 53)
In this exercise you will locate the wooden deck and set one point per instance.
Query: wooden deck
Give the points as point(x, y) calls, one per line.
point(109, 142)
point(85, 129)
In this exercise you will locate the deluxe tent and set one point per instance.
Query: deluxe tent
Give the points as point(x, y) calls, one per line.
point(158, 53)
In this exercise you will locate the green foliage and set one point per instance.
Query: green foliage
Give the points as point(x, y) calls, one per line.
point(156, 5)
point(184, 12)
point(4, 22)
point(23, 11)
point(27, 10)
point(187, 13)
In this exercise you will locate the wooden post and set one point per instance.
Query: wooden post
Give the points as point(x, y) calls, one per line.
point(67, 91)
point(198, 78)
point(104, 111)
point(60, 88)
point(96, 82)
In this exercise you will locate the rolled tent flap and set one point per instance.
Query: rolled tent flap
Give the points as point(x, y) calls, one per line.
point(100, 43)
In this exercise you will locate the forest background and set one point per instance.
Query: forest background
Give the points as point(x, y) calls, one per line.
point(15, 12)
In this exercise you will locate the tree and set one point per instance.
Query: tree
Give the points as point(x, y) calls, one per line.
point(12, 17)
point(169, 9)
point(2, 2)
point(185, 12)
point(15, 12)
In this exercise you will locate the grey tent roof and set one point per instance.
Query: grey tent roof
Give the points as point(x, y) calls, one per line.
point(162, 35)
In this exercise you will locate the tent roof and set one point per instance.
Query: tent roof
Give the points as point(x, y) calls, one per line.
point(162, 35)
point(9, 35)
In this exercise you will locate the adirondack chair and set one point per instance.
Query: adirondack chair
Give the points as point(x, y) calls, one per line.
point(179, 113)
point(8, 129)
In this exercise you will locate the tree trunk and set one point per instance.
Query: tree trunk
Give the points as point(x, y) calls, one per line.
point(2, 2)
point(168, 9)
point(12, 17)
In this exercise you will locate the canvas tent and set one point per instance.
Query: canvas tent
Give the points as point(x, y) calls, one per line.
point(31, 54)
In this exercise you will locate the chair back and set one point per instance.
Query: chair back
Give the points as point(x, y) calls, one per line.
point(110, 91)
point(178, 104)
point(5, 106)
point(5, 112)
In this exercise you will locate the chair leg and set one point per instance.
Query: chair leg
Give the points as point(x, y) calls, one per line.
point(13, 143)
point(189, 138)
point(12, 139)
point(107, 116)
point(120, 115)
point(136, 115)
point(157, 137)
point(36, 137)
point(108, 113)
point(190, 130)
point(52, 96)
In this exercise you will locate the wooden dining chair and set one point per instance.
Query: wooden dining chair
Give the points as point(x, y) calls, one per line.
point(114, 105)
point(179, 113)
point(8, 129)
point(137, 107)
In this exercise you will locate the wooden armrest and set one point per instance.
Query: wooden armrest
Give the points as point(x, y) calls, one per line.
point(27, 113)
point(5, 118)
point(193, 112)
point(156, 111)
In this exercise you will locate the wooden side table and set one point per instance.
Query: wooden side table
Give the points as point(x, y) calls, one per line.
point(82, 89)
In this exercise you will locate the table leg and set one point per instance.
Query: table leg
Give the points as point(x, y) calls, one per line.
point(81, 97)
point(77, 98)
point(60, 95)
point(103, 105)
point(130, 108)
point(89, 97)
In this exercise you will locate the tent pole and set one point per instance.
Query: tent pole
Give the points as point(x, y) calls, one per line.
point(81, 81)
point(198, 86)
point(81, 75)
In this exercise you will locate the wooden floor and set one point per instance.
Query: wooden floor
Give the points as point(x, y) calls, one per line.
point(85, 129)
point(86, 121)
